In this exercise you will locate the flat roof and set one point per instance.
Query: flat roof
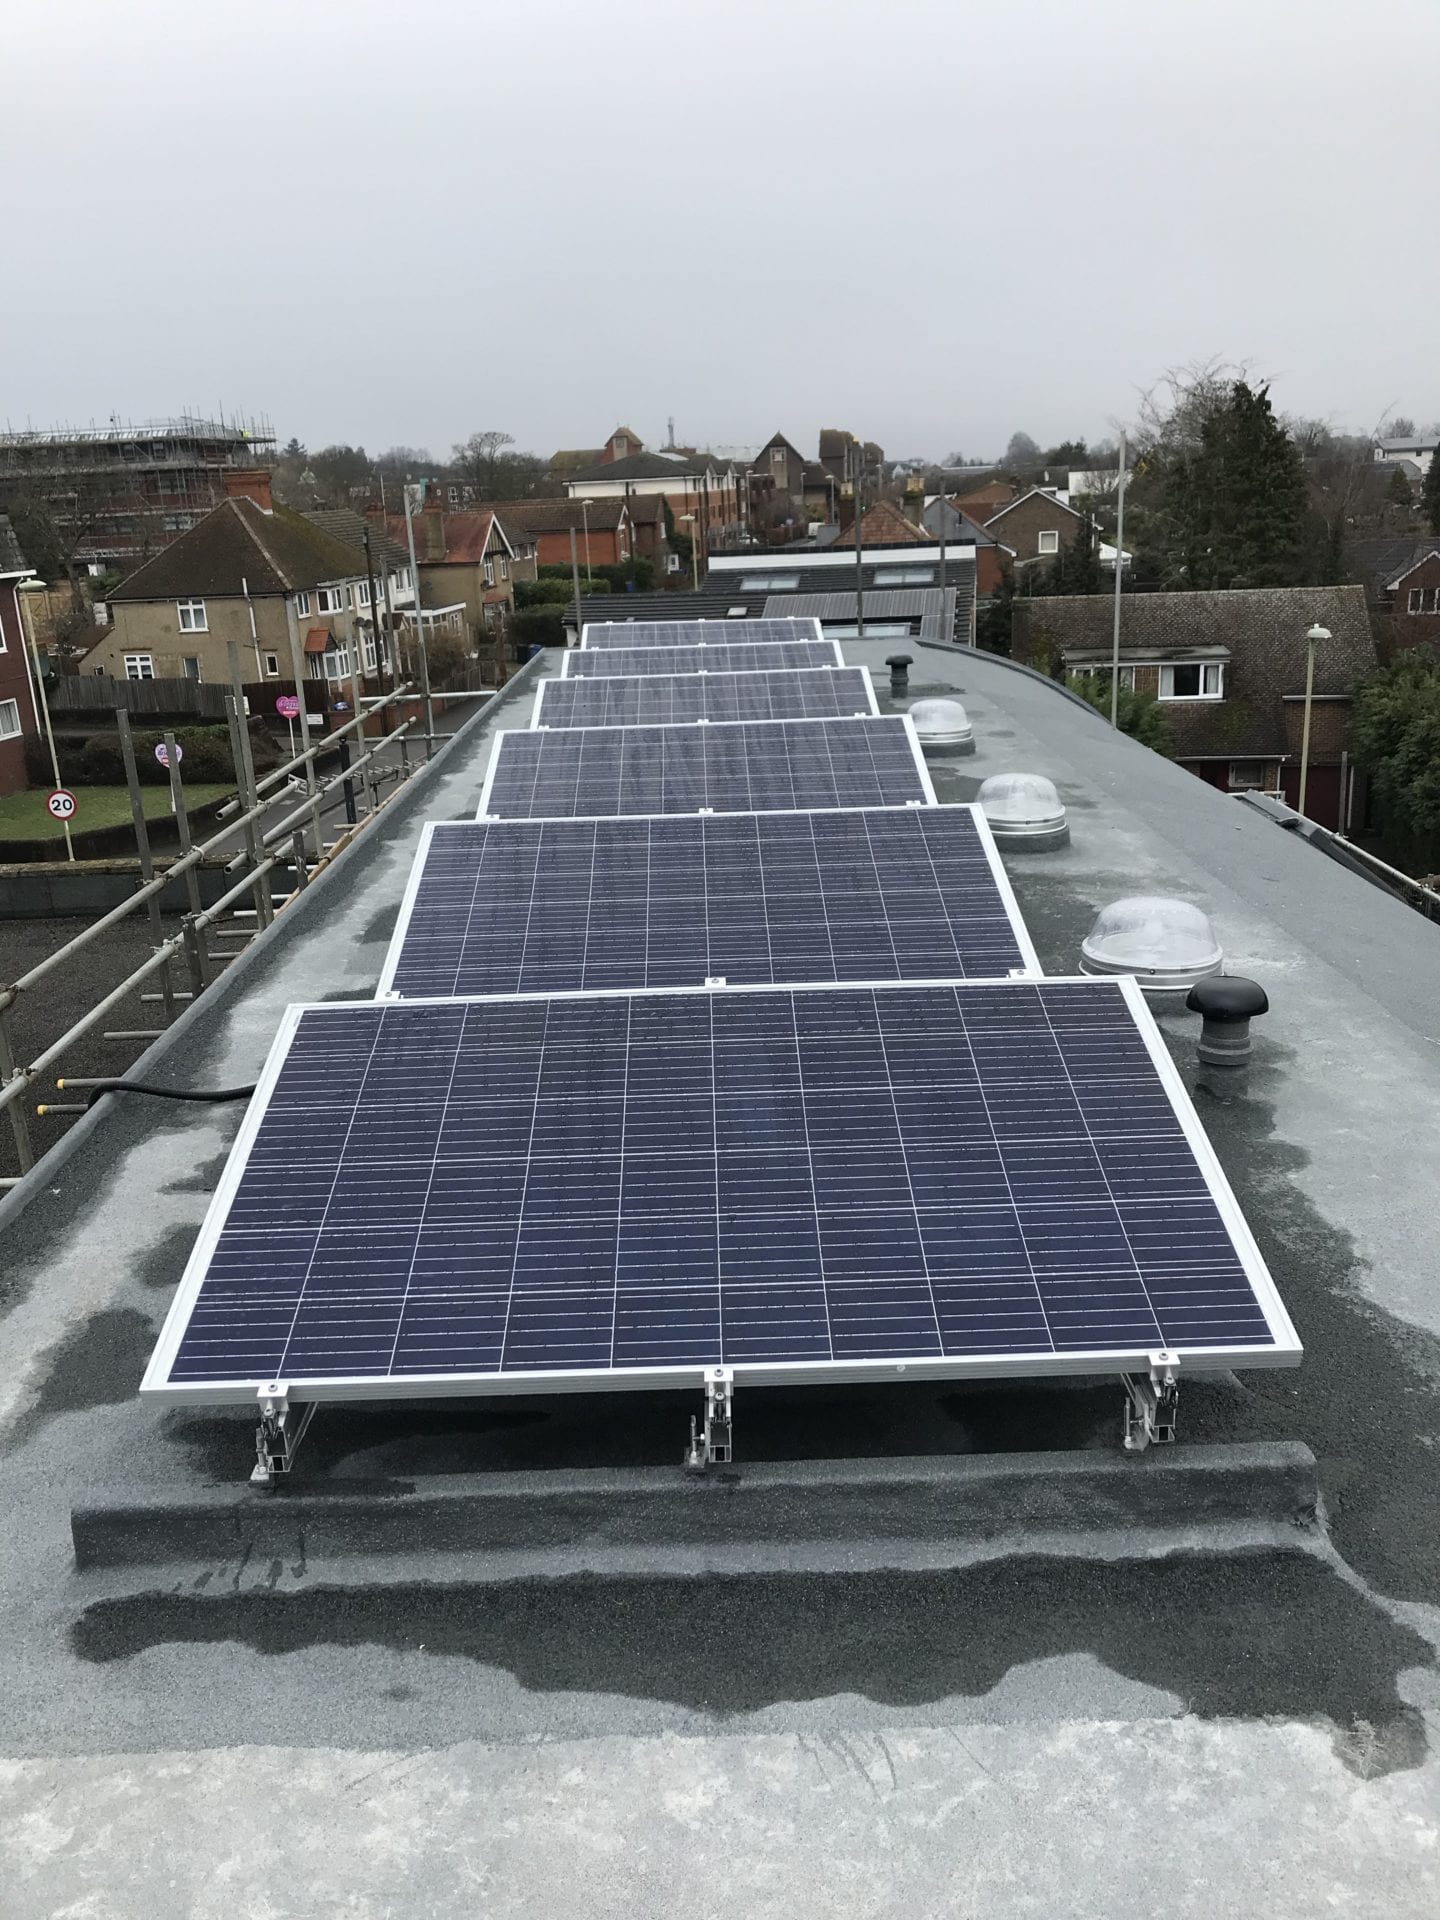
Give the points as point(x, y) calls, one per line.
point(886, 1731)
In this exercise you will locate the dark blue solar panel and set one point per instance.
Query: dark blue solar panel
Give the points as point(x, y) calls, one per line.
point(991, 1174)
point(666, 699)
point(718, 657)
point(743, 768)
point(669, 633)
point(903, 893)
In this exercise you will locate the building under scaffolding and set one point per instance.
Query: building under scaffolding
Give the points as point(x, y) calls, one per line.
point(120, 492)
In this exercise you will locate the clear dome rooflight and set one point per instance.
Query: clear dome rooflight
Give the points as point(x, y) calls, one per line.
point(943, 725)
point(1167, 944)
point(1024, 811)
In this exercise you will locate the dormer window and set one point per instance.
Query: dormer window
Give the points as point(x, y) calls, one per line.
point(1193, 680)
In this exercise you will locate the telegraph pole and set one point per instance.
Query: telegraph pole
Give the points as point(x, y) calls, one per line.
point(859, 550)
point(1119, 572)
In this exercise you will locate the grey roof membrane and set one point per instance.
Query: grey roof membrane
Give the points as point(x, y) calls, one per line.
point(888, 1735)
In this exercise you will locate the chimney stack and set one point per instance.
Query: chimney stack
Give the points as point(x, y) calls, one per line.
point(250, 483)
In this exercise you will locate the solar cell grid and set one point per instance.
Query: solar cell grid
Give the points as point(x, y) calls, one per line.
point(668, 699)
point(669, 633)
point(742, 767)
point(966, 1178)
point(717, 657)
point(553, 906)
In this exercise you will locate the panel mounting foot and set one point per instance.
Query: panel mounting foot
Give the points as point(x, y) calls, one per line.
point(710, 1445)
point(1150, 1404)
point(278, 1436)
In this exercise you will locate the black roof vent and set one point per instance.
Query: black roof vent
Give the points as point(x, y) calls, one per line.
point(1226, 1003)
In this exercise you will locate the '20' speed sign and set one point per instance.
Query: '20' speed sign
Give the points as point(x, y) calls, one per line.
point(61, 804)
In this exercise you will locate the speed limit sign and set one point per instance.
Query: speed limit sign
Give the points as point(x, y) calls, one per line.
point(61, 804)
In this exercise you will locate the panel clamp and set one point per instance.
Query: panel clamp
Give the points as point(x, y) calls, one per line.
point(711, 1446)
point(1151, 1402)
point(278, 1436)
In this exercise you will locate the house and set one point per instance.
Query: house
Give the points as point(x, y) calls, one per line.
point(980, 502)
point(19, 714)
point(991, 554)
point(465, 561)
point(696, 487)
point(905, 595)
point(568, 461)
point(1036, 526)
point(1398, 576)
point(604, 529)
point(1416, 449)
point(1229, 670)
point(252, 572)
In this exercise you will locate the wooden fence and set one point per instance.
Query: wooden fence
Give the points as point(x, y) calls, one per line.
point(98, 693)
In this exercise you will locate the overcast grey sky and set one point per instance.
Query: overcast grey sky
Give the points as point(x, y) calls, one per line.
point(932, 222)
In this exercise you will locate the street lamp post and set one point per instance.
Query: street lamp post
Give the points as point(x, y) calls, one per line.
point(37, 690)
point(692, 520)
point(1316, 634)
point(585, 516)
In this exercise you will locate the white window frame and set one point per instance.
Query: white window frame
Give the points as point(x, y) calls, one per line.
point(9, 719)
point(1247, 786)
point(192, 616)
point(1416, 603)
point(139, 666)
point(504, 567)
point(185, 674)
point(1052, 536)
point(887, 577)
point(1211, 680)
point(770, 583)
point(367, 648)
point(337, 663)
point(302, 606)
point(874, 629)
point(362, 593)
point(489, 566)
point(272, 666)
point(1434, 606)
point(330, 600)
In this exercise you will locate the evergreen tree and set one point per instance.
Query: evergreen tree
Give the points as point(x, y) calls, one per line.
point(1400, 493)
point(1233, 505)
point(1138, 714)
point(1430, 494)
point(994, 620)
point(1395, 731)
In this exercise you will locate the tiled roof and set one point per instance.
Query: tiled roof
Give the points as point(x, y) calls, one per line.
point(572, 459)
point(558, 516)
point(1032, 493)
point(12, 560)
point(645, 466)
point(444, 539)
point(1262, 628)
point(885, 525)
point(1378, 562)
point(348, 527)
point(238, 546)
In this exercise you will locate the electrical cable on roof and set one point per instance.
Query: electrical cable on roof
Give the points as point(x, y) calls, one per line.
point(161, 1093)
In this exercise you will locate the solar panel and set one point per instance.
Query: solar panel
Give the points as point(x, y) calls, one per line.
point(670, 633)
point(667, 699)
point(750, 766)
point(546, 906)
point(606, 1190)
point(715, 657)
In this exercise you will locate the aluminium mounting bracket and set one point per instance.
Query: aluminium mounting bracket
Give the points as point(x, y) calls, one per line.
point(711, 1445)
point(1151, 1402)
point(278, 1436)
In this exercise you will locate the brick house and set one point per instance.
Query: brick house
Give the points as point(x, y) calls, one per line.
point(1414, 601)
point(991, 554)
point(1037, 526)
point(706, 490)
point(19, 714)
point(547, 525)
point(466, 562)
point(980, 502)
point(252, 572)
point(1229, 670)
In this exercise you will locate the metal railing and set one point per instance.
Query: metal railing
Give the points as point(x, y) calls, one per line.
point(266, 849)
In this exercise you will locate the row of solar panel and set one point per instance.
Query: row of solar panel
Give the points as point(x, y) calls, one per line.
point(624, 1178)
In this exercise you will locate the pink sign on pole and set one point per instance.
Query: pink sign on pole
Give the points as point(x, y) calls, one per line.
point(287, 706)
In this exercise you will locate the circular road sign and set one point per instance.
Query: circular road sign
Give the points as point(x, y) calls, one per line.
point(163, 756)
point(287, 706)
point(61, 804)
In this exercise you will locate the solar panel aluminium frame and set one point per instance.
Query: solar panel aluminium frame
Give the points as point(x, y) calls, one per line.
point(1031, 968)
point(538, 720)
point(927, 785)
point(1286, 1350)
point(807, 628)
point(837, 657)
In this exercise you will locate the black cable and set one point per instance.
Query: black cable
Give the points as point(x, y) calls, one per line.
point(164, 1093)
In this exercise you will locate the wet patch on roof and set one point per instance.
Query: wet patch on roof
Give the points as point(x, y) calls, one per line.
point(98, 1365)
point(1241, 1636)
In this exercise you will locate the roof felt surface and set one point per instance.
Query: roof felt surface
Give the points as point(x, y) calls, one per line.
point(1263, 629)
point(1023, 1722)
point(238, 546)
